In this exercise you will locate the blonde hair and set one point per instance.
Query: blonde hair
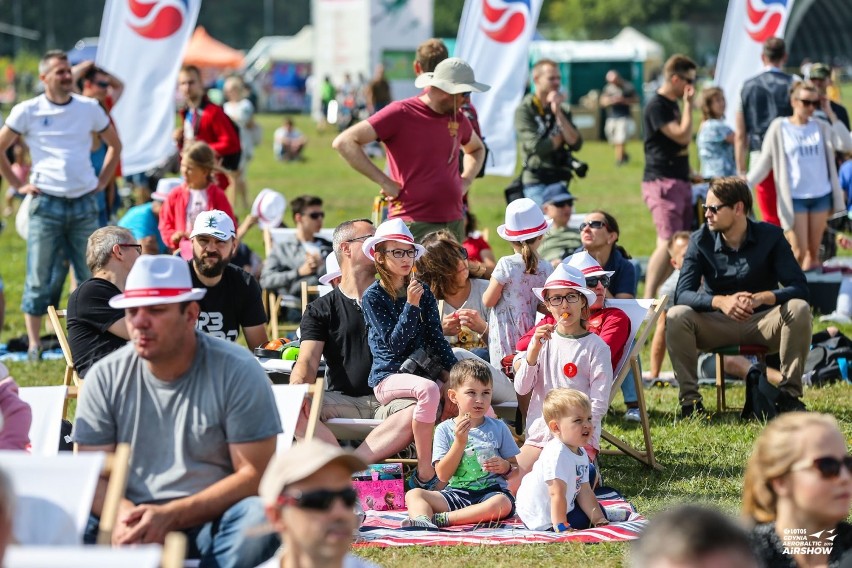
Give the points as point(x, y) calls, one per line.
point(559, 402)
point(776, 449)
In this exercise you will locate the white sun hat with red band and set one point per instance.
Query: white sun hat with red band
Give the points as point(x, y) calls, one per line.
point(391, 230)
point(565, 276)
point(157, 279)
point(332, 270)
point(524, 220)
point(587, 264)
point(269, 207)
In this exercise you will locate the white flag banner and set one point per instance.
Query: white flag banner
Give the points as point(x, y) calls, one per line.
point(494, 38)
point(748, 24)
point(142, 43)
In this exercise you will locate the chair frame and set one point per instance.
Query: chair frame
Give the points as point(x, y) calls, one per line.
point(117, 467)
point(70, 379)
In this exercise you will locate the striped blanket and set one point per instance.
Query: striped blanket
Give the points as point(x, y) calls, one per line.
point(381, 529)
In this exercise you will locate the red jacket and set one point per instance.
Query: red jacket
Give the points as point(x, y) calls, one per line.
point(173, 212)
point(215, 128)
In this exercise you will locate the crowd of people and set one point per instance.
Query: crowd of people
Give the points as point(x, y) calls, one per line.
point(423, 327)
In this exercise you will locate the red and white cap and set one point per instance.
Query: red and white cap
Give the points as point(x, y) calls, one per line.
point(524, 220)
point(269, 207)
point(391, 230)
point(564, 276)
point(332, 270)
point(157, 279)
point(587, 264)
point(164, 187)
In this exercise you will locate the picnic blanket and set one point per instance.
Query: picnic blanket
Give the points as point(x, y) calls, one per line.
point(21, 356)
point(381, 529)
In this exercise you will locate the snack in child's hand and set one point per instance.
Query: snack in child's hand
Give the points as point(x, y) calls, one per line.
point(467, 415)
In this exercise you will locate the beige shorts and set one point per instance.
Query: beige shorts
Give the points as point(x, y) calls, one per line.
point(618, 130)
point(339, 405)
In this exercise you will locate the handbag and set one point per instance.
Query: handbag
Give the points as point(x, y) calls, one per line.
point(515, 189)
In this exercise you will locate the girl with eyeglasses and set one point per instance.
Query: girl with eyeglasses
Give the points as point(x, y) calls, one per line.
point(799, 152)
point(564, 354)
point(402, 318)
point(797, 491)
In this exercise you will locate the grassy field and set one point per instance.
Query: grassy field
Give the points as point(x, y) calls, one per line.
point(703, 460)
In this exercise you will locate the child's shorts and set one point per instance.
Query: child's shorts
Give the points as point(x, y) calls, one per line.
point(460, 498)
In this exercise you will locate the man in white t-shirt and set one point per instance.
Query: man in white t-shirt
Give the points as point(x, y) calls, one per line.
point(58, 126)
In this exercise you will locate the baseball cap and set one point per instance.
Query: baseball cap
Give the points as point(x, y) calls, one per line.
point(452, 76)
point(302, 460)
point(214, 223)
point(557, 194)
point(164, 187)
point(819, 71)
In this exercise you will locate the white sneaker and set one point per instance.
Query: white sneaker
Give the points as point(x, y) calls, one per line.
point(632, 415)
point(836, 317)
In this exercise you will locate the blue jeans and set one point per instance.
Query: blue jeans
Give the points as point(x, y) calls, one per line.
point(628, 388)
point(221, 543)
point(56, 224)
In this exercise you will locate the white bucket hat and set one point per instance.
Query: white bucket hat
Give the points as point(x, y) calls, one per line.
point(164, 187)
point(332, 270)
point(565, 276)
point(524, 220)
point(157, 279)
point(452, 76)
point(391, 230)
point(215, 223)
point(269, 207)
point(586, 264)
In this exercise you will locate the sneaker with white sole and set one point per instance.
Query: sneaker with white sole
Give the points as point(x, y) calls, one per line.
point(632, 415)
point(421, 521)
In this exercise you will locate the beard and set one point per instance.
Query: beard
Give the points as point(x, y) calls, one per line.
point(210, 270)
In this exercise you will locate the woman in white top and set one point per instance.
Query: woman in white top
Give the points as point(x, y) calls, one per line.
point(241, 111)
point(799, 150)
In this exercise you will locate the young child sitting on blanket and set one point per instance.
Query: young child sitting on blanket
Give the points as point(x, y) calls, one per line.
point(473, 453)
point(556, 494)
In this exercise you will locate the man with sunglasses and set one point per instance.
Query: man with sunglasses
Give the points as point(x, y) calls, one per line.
point(739, 284)
point(310, 502)
point(561, 240)
point(666, 188)
point(299, 257)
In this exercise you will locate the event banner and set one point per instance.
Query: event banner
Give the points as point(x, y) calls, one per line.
point(748, 24)
point(142, 43)
point(494, 37)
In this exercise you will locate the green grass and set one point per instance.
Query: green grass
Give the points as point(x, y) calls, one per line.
point(703, 460)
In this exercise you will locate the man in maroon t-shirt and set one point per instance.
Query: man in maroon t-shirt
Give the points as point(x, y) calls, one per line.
point(423, 135)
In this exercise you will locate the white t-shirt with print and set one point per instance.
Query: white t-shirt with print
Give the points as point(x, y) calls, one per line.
point(60, 138)
point(806, 160)
point(556, 461)
point(195, 205)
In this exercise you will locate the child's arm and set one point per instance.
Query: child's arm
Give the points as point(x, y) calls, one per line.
point(492, 294)
point(589, 504)
point(447, 465)
point(378, 310)
point(556, 488)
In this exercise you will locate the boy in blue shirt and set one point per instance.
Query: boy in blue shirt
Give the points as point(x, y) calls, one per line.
point(472, 453)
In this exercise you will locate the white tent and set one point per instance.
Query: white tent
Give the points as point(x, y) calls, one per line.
point(295, 49)
point(649, 51)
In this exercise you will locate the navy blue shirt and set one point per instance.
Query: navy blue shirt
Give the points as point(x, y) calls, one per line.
point(764, 262)
point(623, 281)
point(395, 329)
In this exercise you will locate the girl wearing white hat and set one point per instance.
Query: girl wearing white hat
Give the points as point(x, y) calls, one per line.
point(510, 291)
point(402, 318)
point(563, 355)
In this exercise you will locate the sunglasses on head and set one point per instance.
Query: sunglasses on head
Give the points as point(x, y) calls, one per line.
point(714, 209)
point(593, 225)
point(316, 215)
point(592, 281)
point(810, 102)
point(828, 466)
point(319, 500)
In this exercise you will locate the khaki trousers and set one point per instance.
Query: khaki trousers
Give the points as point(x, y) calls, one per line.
point(784, 329)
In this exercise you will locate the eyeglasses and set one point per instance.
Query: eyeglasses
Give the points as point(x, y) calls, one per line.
point(810, 102)
point(556, 301)
point(361, 238)
point(828, 466)
point(137, 247)
point(102, 84)
point(592, 281)
point(463, 253)
point(320, 500)
point(566, 203)
point(714, 209)
point(593, 225)
point(399, 253)
point(689, 80)
point(316, 215)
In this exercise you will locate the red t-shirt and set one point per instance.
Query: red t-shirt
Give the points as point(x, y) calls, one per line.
point(474, 246)
point(423, 157)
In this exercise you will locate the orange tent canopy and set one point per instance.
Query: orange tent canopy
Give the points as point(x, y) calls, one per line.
point(204, 51)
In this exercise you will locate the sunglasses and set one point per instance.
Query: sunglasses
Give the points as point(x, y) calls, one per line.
point(593, 225)
point(399, 253)
point(316, 215)
point(319, 500)
point(828, 467)
point(465, 94)
point(102, 84)
point(689, 80)
point(592, 281)
point(714, 209)
point(137, 247)
point(556, 301)
point(463, 253)
point(810, 102)
point(566, 203)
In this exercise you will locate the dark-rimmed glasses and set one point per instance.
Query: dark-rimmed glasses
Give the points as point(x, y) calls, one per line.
point(828, 466)
point(714, 209)
point(319, 500)
point(400, 253)
point(362, 238)
point(556, 301)
point(593, 225)
point(592, 281)
point(137, 247)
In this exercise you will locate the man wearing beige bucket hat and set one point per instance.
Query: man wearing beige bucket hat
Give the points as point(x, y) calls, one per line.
point(423, 135)
point(199, 415)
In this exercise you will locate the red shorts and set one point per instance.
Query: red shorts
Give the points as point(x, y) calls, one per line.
point(670, 202)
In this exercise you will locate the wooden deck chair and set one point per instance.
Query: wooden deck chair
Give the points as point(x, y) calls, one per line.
point(48, 406)
point(640, 312)
point(288, 399)
point(307, 292)
point(56, 316)
point(117, 469)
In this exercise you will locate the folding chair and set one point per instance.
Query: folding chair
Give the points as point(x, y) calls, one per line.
point(288, 399)
point(48, 405)
point(307, 292)
point(55, 317)
point(639, 312)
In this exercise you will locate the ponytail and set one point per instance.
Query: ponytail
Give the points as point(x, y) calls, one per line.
point(529, 255)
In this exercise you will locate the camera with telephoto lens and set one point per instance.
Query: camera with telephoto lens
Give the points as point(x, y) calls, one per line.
point(580, 168)
point(421, 364)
